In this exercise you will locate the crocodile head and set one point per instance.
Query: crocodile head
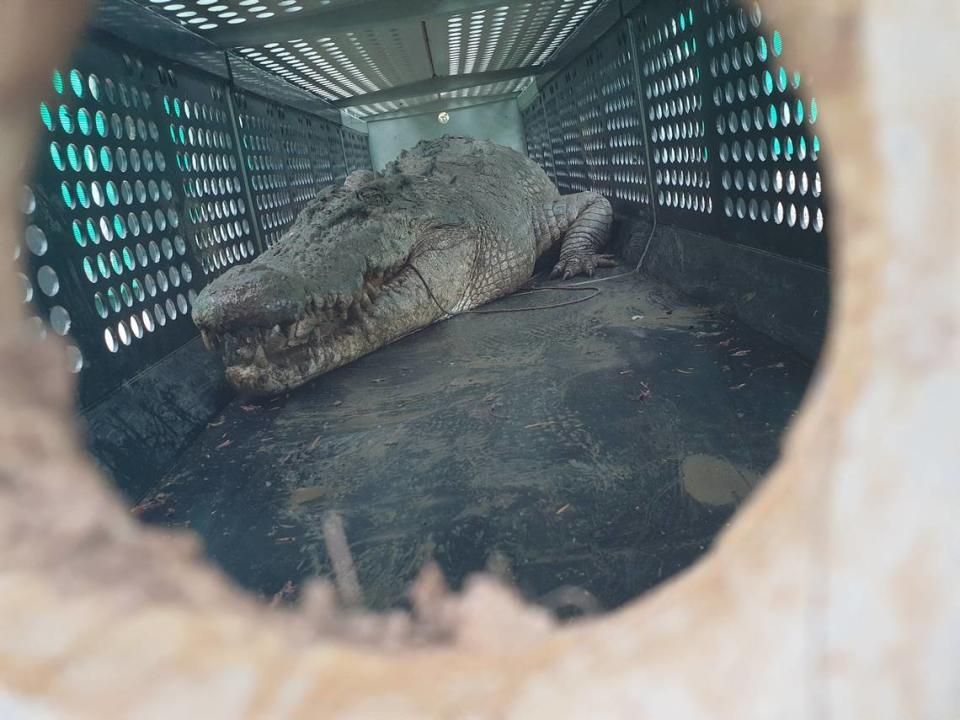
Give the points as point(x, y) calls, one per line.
point(338, 285)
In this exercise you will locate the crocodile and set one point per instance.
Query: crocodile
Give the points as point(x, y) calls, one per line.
point(448, 226)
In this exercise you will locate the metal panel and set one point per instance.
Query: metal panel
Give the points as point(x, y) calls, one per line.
point(538, 135)
point(575, 116)
point(612, 123)
point(137, 203)
point(160, 34)
point(356, 150)
point(174, 37)
point(333, 142)
point(204, 16)
point(673, 91)
point(513, 34)
point(151, 179)
point(734, 148)
point(571, 172)
point(551, 113)
point(348, 64)
point(355, 53)
point(768, 182)
point(249, 77)
point(288, 156)
point(593, 124)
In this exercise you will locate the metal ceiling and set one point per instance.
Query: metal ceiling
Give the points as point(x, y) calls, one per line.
point(388, 57)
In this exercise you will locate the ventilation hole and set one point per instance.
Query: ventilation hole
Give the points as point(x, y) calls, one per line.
point(100, 305)
point(28, 201)
point(762, 51)
point(59, 320)
point(48, 281)
point(36, 240)
point(66, 120)
point(46, 116)
point(26, 288)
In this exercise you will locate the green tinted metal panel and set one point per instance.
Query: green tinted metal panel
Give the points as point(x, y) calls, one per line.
point(732, 133)
point(134, 206)
point(670, 68)
point(765, 135)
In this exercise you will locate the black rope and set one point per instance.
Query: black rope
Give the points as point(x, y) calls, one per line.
point(593, 293)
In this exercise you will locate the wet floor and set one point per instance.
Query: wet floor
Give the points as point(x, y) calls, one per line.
point(599, 446)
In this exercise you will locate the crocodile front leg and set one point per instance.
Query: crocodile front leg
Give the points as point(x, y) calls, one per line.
point(582, 221)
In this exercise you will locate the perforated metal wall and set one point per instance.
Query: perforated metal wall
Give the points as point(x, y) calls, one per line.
point(116, 161)
point(141, 196)
point(586, 126)
point(613, 125)
point(733, 146)
point(219, 226)
point(558, 149)
point(336, 49)
point(509, 34)
point(356, 149)
point(538, 136)
point(288, 155)
point(671, 76)
point(572, 174)
point(770, 185)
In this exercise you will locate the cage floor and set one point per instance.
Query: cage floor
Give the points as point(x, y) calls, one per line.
point(600, 446)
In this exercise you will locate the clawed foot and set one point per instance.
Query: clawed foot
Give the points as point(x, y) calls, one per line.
point(581, 265)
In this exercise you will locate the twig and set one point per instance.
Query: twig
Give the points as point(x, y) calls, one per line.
point(345, 575)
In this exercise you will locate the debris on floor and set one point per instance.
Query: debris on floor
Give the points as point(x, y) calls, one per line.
point(558, 441)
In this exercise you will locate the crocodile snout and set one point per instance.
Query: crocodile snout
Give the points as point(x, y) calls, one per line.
point(250, 295)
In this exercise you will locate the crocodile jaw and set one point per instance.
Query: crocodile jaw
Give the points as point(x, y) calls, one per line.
point(325, 335)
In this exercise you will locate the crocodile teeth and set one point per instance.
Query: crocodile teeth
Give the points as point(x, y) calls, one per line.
point(243, 351)
point(275, 340)
point(260, 357)
point(302, 328)
point(208, 342)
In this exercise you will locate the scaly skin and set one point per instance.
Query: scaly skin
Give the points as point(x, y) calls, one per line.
point(465, 217)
